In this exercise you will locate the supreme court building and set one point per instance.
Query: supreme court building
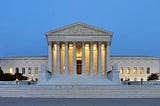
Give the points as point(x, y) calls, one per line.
point(79, 49)
point(80, 54)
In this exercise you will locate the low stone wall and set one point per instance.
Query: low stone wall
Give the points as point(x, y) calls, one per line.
point(13, 83)
point(81, 91)
point(7, 82)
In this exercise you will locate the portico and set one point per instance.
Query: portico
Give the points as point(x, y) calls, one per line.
point(78, 58)
point(79, 49)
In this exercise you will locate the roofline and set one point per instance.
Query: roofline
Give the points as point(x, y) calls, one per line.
point(81, 23)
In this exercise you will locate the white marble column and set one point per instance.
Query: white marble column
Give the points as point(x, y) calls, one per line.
point(91, 59)
point(58, 59)
point(107, 57)
point(83, 57)
point(99, 58)
point(50, 54)
point(74, 59)
point(66, 58)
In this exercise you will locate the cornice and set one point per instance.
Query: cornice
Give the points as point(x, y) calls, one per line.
point(77, 29)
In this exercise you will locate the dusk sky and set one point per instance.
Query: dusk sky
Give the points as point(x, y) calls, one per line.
point(135, 23)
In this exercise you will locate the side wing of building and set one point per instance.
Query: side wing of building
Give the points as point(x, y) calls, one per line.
point(136, 68)
point(131, 68)
point(29, 66)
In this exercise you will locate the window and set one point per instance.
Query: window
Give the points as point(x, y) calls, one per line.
point(135, 79)
point(36, 70)
point(29, 70)
point(148, 70)
point(128, 70)
point(128, 79)
point(23, 70)
point(135, 70)
point(121, 70)
point(17, 70)
point(141, 70)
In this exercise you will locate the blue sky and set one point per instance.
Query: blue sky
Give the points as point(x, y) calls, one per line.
point(135, 23)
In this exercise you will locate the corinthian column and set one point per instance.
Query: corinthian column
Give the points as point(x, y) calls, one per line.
point(83, 57)
point(99, 58)
point(50, 54)
point(91, 58)
point(107, 56)
point(58, 59)
point(74, 59)
point(66, 58)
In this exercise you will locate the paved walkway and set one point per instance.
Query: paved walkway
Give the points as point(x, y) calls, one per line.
point(78, 102)
point(81, 91)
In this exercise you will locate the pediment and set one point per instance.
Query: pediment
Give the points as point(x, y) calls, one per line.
point(79, 29)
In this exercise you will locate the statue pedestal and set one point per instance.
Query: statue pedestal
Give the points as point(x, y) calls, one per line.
point(114, 74)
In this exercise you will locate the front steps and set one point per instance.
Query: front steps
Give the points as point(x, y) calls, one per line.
point(79, 80)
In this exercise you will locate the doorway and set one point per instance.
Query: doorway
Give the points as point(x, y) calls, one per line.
point(79, 67)
point(79, 58)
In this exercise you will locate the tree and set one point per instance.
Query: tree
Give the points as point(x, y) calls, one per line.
point(1, 72)
point(10, 77)
point(153, 76)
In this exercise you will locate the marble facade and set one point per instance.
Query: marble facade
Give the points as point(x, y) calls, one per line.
point(80, 54)
point(79, 49)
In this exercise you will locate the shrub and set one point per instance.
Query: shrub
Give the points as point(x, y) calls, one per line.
point(153, 76)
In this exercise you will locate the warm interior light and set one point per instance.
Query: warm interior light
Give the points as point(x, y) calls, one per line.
point(55, 46)
point(11, 70)
point(87, 47)
point(70, 46)
point(78, 55)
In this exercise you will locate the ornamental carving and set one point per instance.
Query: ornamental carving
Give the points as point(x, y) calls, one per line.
point(79, 29)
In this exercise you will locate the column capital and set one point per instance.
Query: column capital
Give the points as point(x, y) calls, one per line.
point(83, 42)
point(91, 42)
point(108, 43)
point(49, 43)
point(66, 42)
point(74, 43)
point(99, 43)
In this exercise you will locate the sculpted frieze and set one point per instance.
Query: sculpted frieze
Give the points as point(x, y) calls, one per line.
point(79, 29)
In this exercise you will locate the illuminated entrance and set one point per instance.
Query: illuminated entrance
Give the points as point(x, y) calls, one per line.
point(79, 50)
point(79, 67)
